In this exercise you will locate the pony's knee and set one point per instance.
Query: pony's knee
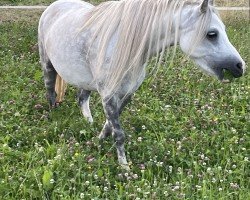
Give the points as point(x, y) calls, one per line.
point(119, 136)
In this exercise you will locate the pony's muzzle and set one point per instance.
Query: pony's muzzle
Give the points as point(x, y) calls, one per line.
point(237, 71)
point(236, 68)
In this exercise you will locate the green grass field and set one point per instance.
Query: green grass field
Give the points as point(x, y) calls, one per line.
point(187, 133)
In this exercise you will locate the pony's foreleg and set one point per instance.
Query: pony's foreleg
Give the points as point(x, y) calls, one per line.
point(107, 128)
point(111, 108)
point(83, 100)
point(50, 80)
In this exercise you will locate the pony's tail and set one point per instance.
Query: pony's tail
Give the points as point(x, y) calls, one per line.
point(60, 88)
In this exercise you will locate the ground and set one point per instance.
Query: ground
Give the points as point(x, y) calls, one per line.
point(187, 133)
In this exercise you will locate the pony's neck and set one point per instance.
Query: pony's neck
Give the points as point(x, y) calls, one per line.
point(170, 36)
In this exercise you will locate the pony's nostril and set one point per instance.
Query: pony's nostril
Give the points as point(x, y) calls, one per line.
point(239, 66)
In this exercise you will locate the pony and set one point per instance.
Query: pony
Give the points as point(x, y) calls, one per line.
point(105, 48)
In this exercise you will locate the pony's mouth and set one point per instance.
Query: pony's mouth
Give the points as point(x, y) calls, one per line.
point(226, 75)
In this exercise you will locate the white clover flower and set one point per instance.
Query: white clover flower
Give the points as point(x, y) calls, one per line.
point(77, 144)
point(50, 162)
point(159, 164)
point(40, 149)
point(167, 106)
point(82, 195)
point(170, 168)
point(52, 181)
point(198, 187)
point(87, 183)
point(155, 183)
point(177, 187)
point(135, 176)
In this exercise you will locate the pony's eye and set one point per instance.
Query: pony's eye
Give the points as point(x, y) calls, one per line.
point(212, 35)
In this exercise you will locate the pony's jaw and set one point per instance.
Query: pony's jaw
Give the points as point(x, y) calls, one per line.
point(218, 69)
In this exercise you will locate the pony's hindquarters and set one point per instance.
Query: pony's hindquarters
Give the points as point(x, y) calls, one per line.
point(49, 72)
point(60, 53)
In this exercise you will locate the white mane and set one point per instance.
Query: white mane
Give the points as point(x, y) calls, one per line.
point(139, 25)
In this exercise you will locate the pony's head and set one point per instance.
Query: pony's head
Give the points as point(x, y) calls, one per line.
point(204, 39)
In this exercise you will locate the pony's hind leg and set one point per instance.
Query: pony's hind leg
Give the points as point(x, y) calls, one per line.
point(83, 100)
point(50, 80)
point(106, 131)
point(111, 108)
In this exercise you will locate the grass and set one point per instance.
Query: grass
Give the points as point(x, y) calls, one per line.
point(236, 3)
point(187, 134)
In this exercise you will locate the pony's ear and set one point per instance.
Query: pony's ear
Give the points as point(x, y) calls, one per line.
point(204, 6)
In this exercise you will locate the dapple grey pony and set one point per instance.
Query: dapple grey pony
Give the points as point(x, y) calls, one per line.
point(105, 48)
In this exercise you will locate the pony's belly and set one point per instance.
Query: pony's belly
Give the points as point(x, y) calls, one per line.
point(78, 76)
